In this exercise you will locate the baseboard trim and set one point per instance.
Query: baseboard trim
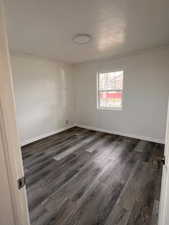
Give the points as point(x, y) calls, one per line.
point(122, 134)
point(31, 140)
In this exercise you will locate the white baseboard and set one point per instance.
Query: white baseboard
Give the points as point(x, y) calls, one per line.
point(122, 134)
point(30, 140)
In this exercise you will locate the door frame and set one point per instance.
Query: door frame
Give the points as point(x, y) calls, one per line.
point(10, 146)
point(164, 197)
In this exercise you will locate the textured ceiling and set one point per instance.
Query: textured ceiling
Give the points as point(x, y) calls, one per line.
point(46, 27)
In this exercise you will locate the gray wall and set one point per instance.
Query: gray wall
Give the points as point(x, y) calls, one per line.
point(146, 89)
point(44, 96)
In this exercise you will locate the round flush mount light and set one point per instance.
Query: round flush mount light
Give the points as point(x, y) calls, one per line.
point(82, 39)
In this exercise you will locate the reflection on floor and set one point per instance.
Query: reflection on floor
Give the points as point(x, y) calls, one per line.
point(83, 177)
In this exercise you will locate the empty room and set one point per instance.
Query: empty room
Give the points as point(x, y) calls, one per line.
point(84, 125)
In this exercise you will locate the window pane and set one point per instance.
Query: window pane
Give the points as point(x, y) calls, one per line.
point(110, 99)
point(111, 81)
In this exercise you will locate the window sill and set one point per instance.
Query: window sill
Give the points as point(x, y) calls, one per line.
point(110, 109)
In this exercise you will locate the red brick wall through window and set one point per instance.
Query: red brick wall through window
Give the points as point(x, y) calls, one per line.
point(111, 95)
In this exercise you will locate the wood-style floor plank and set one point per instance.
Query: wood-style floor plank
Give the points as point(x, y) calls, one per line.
point(84, 177)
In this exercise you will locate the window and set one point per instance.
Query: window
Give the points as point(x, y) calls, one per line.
point(110, 90)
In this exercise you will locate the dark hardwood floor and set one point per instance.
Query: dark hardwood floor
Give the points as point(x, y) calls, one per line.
point(83, 177)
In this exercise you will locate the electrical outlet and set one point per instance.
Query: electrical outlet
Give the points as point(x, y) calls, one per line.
point(66, 122)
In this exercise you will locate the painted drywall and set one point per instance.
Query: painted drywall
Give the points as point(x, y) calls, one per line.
point(44, 96)
point(146, 90)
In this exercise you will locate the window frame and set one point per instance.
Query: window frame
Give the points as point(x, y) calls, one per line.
point(98, 91)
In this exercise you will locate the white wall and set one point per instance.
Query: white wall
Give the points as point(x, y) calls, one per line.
point(44, 96)
point(146, 89)
point(45, 93)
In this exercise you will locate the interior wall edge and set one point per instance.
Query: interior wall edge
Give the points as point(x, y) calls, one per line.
point(23, 54)
point(31, 140)
point(123, 56)
point(160, 141)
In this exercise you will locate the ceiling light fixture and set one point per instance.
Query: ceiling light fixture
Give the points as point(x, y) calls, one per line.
point(82, 38)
